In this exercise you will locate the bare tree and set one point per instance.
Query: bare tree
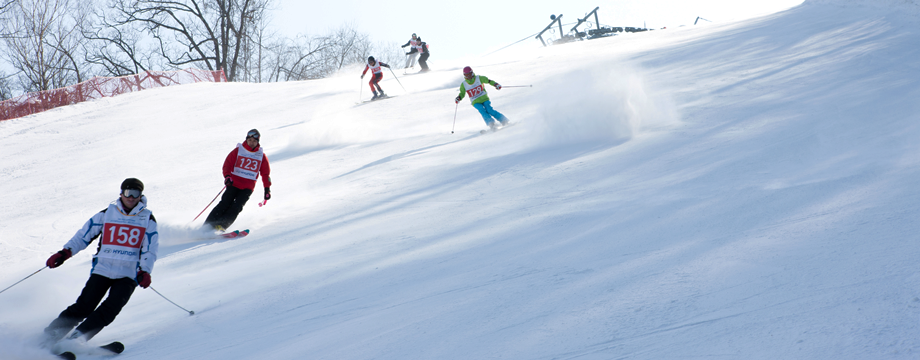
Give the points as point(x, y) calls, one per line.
point(257, 46)
point(303, 60)
point(117, 48)
point(315, 57)
point(390, 53)
point(6, 88)
point(203, 33)
point(5, 6)
point(347, 46)
point(44, 47)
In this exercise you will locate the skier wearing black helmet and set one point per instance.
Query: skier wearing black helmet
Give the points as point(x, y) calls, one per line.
point(125, 253)
point(241, 169)
point(423, 59)
point(377, 74)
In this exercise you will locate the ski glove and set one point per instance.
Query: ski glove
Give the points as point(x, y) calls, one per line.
point(58, 258)
point(498, 86)
point(228, 180)
point(362, 76)
point(457, 100)
point(268, 193)
point(143, 279)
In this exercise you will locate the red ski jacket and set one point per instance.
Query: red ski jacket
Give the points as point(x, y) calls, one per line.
point(244, 183)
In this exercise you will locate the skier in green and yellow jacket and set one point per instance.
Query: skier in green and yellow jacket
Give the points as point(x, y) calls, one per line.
point(473, 85)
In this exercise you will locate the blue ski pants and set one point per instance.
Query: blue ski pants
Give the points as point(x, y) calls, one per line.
point(487, 112)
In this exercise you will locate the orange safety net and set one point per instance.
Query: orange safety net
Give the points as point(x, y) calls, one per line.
point(100, 87)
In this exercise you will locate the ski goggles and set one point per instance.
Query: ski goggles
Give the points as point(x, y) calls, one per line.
point(253, 134)
point(131, 193)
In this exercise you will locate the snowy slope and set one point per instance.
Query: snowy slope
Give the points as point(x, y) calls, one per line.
point(737, 191)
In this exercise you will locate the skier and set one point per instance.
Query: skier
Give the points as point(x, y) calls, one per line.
point(423, 60)
point(377, 75)
point(241, 169)
point(473, 86)
point(413, 52)
point(124, 259)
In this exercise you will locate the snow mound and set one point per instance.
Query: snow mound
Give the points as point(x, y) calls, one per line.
point(909, 6)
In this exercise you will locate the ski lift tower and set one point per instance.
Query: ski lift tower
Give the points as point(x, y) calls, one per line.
point(580, 21)
point(698, 20)
point(554, 19)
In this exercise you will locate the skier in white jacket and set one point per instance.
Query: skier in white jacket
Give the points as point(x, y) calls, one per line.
point(125, 253)
point(413, 52)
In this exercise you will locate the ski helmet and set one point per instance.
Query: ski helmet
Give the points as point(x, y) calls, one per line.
point(133, 184)
point(253, 134)
point(371, 59)
point(468, 72)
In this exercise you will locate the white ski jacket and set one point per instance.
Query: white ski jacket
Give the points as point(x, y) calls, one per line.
point(129, 240)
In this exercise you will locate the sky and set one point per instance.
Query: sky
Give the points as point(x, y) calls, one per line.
point(457, 29)
point(719, 192)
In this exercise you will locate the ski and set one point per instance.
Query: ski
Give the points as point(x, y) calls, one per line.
point(227, 235)
point(115, 347)
point(234, 234)
point(379, 98)
point(363, 102)
point(483, 132)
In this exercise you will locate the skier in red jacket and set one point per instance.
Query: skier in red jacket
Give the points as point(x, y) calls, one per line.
point(377, 74)
point(242, 168)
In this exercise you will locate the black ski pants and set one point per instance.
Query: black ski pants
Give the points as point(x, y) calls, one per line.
point(423, 61)
point(85, 309)
point(229, 207)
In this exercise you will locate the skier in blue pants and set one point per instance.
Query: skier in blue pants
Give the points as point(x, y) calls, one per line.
point(472, 85)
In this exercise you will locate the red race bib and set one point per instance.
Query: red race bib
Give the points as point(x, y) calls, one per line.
point(248, 164)
point(475, 92)
point(123, 235)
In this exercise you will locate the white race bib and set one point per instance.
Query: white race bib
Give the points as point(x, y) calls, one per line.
point(122, 235)
point(247, 163)
point(375, 68)
point(475, 89)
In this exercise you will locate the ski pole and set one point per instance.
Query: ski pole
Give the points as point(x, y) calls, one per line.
point(24, 279)
point(209, 204)
point(503, 86)
point(361, 91)
point(397, 79)
point(455, 118)
point(263, 203)
point(177, 305)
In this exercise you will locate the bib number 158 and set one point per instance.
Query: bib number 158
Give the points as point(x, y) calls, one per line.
point(123, 235)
